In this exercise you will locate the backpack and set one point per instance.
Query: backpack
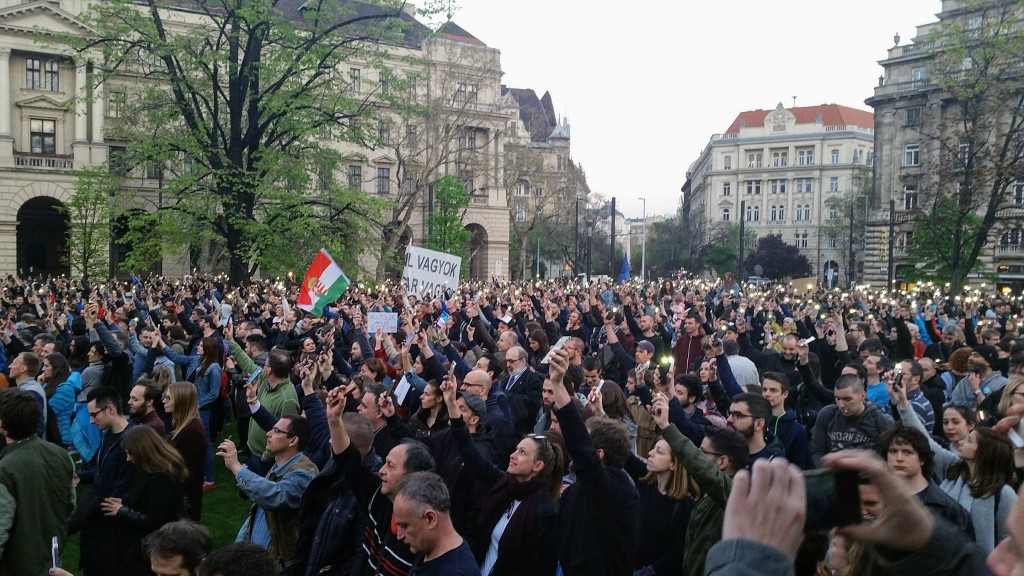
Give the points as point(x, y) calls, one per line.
point(53, 427)
point(225, 385)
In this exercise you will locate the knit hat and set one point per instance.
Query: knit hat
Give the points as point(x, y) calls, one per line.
point(987, 352)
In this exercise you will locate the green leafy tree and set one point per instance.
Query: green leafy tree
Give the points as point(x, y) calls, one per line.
point(90, 212)
point(721, 252)
point(778, 259)
point(976, 152)
point(236, 101)
point(447, 234)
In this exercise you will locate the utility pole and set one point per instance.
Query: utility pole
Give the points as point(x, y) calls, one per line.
point(611, 248)
point(743, 209)
point(643, 249)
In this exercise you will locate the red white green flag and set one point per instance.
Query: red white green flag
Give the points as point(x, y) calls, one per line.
point(324, 283)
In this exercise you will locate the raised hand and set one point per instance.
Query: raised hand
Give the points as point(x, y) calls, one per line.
point(659, 411)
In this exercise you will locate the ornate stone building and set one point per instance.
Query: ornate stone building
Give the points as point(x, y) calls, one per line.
point(43, 139)
point(789, 167)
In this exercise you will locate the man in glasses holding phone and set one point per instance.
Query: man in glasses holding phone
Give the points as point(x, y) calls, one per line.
point(273, 521)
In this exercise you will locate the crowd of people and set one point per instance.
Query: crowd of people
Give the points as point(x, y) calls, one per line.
point(501, 428)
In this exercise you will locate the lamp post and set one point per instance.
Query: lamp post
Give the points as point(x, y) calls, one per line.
point(643, 246)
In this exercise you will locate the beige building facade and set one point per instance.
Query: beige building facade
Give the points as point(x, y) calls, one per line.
point(911, 109)
point(781, 171)
point(53, 120)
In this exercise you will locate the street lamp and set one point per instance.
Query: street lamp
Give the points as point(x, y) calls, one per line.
point(643, 249)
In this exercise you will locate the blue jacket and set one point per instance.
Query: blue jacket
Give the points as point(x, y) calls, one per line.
point(63, 404)
point(208, 384)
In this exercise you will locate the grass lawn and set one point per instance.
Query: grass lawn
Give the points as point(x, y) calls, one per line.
point(223, 511)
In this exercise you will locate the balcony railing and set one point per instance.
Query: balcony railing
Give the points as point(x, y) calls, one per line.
point(44, 161)
point(1010, 249)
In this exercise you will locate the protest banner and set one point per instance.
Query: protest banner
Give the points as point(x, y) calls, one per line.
point(386, 321)
point(428, 272)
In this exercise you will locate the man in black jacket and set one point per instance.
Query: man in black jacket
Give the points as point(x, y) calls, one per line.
point(524, 389)
point(598, 518)
point(111, 477)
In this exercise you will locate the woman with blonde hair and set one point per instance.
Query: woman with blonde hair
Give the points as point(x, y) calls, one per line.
point(152, 500)
point(667, 497)
point(188, 436)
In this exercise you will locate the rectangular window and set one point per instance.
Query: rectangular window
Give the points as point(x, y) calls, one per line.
point(725, 214)
point(468, 139)
point(33, 74)
point(466, 94)
point(780, 159)
point(753, 186)
point(835, 156)
point(833, 184)
point(805, 157)
point(727, 163)
point(802, 240)
point(754, 160)
point(117, 160)
point(382, 85)
point(520, 189)
point(918, 74)
point(355, 75)
point(909, 197)
point(383, 180)
point(778, 186)
point(384, 134)
point(833, 212)
point(912, 155)
point(913, 116)
point(323, 178)
point(355, 176)
point(726, 188)
point(803, 185)
point(411, 138)
point(408, 184)
point(51, 76)
point(1018, 194)
point(116, 103)
point(833, 243)
point(154, 171)
point(538, 191)
point(43, 136)
point(520, 213)
point(466, 177)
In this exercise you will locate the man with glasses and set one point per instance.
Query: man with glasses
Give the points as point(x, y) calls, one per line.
point(111, 477)
point(859, 331)
point(523, 388)
point(273, 520)
point(499, 413)
point(748, 415)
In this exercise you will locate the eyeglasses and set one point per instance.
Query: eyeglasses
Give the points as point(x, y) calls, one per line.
point(165, 397)
point(468, 385)
point(277, 430)
point(709, 453)
point(93, 414)
point(538, 437)
point(738, 415)
point(511, 360)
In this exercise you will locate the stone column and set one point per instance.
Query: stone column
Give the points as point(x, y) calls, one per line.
point(5, 92)
point(81, 117)
point(99, 101)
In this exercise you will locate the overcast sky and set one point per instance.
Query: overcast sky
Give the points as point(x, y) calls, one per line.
point(646, 83)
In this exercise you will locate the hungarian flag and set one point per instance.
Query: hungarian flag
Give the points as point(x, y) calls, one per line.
point(324, 283)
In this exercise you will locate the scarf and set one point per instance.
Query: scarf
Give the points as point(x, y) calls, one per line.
point(523, 522)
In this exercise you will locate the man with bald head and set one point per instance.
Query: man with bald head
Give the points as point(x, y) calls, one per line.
point(523, 388)
point(499, 413)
